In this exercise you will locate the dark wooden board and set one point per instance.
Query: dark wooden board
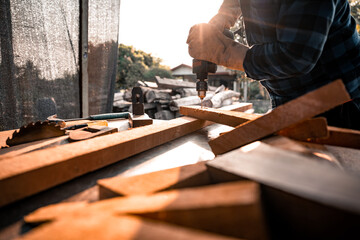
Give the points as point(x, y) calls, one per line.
point(297, 110)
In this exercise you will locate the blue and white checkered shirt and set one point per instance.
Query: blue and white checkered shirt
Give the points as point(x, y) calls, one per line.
point(300, 45)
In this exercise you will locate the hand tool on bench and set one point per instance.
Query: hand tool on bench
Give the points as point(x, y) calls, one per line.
point(90, 132)
point(35, 131)
point(138, 118)
point(105, 116)
point(87, 124)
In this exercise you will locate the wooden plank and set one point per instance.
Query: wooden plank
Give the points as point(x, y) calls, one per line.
point(232, 209)
point(230, 118)
point(180, 177)
point(300, 109)
point(139, 120)
point(348, 157)
point(341, 137)
point(310, 128)
point(51, 212)
point(293, 173)
point(34, 172)
point(4, 135)
point(312, 151)
point(112, 227)
point(166, 83)
point(32, 146)
point(242, 107)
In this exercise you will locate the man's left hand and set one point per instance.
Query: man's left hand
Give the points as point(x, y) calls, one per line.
point(207, 42)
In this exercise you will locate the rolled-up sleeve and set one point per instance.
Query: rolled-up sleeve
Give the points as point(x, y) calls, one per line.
point(301, 33)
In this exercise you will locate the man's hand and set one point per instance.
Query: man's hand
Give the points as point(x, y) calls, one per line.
point(207, 42)
point(228, 13)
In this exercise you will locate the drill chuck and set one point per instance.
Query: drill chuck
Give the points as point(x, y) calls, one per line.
point(201, 88)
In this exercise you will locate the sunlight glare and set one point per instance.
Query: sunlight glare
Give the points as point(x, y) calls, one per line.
point(161, 27)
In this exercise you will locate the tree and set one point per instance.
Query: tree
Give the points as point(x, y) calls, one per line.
point(162, 72)
point(355, 12)
point(134, 65)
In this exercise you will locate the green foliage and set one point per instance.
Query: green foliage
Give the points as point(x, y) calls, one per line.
point(355, 12)
point(134, 65)
point(162, 72)
point(254, 90)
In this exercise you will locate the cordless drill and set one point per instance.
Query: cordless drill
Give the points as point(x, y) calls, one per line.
point(203, 68)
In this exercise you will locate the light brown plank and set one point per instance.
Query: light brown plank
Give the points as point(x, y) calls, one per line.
point(51, 212)
point(310, 128)
point(180, 177)
point(341, 137)
point(300, 109)
point(32, 146)
point(34, 172)
point(112, 227)
point(232, 209)
point(4, 135)
point(226, 117)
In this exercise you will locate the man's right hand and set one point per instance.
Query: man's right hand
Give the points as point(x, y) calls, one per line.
point(228, 13)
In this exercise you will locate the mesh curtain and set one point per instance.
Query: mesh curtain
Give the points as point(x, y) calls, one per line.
point(39, 61)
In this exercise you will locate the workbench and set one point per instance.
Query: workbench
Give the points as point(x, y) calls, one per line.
point(186, 150)
point(289, 177)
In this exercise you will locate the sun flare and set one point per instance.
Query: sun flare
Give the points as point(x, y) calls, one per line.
point(161, 27)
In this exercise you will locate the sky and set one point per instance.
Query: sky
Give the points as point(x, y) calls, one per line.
point(161, 27)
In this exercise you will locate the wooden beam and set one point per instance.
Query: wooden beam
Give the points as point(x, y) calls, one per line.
point(34, 172)
point(166, 83)
point(293, 173)
point(341, 137)
point(112, 227)
point(226, 117)
point(310, 128)
point(52, 212)
point(4, 135)
point(84, 26)
point(300, 109)
point(174, 178)
point(32, 146)
point(233, 209)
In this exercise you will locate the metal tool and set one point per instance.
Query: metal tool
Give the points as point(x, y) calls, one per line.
point(90, 132)
point(203, 68)
point(104, 116)
point(137, 98)
point(138, 118)
point(35, 131)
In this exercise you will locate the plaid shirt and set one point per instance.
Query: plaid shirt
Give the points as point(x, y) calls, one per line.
point(300, 45)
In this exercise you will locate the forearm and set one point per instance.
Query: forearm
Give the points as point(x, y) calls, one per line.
point(234, 56)
point(227, 15)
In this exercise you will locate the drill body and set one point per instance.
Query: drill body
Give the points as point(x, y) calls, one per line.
point(201, 69)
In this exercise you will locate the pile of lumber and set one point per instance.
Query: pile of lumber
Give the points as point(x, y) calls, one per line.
point(282, 175)
point(163, 98)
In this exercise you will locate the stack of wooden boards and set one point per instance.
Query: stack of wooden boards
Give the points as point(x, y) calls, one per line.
point(164, 97)
point(23, 175)
point(275, 188)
